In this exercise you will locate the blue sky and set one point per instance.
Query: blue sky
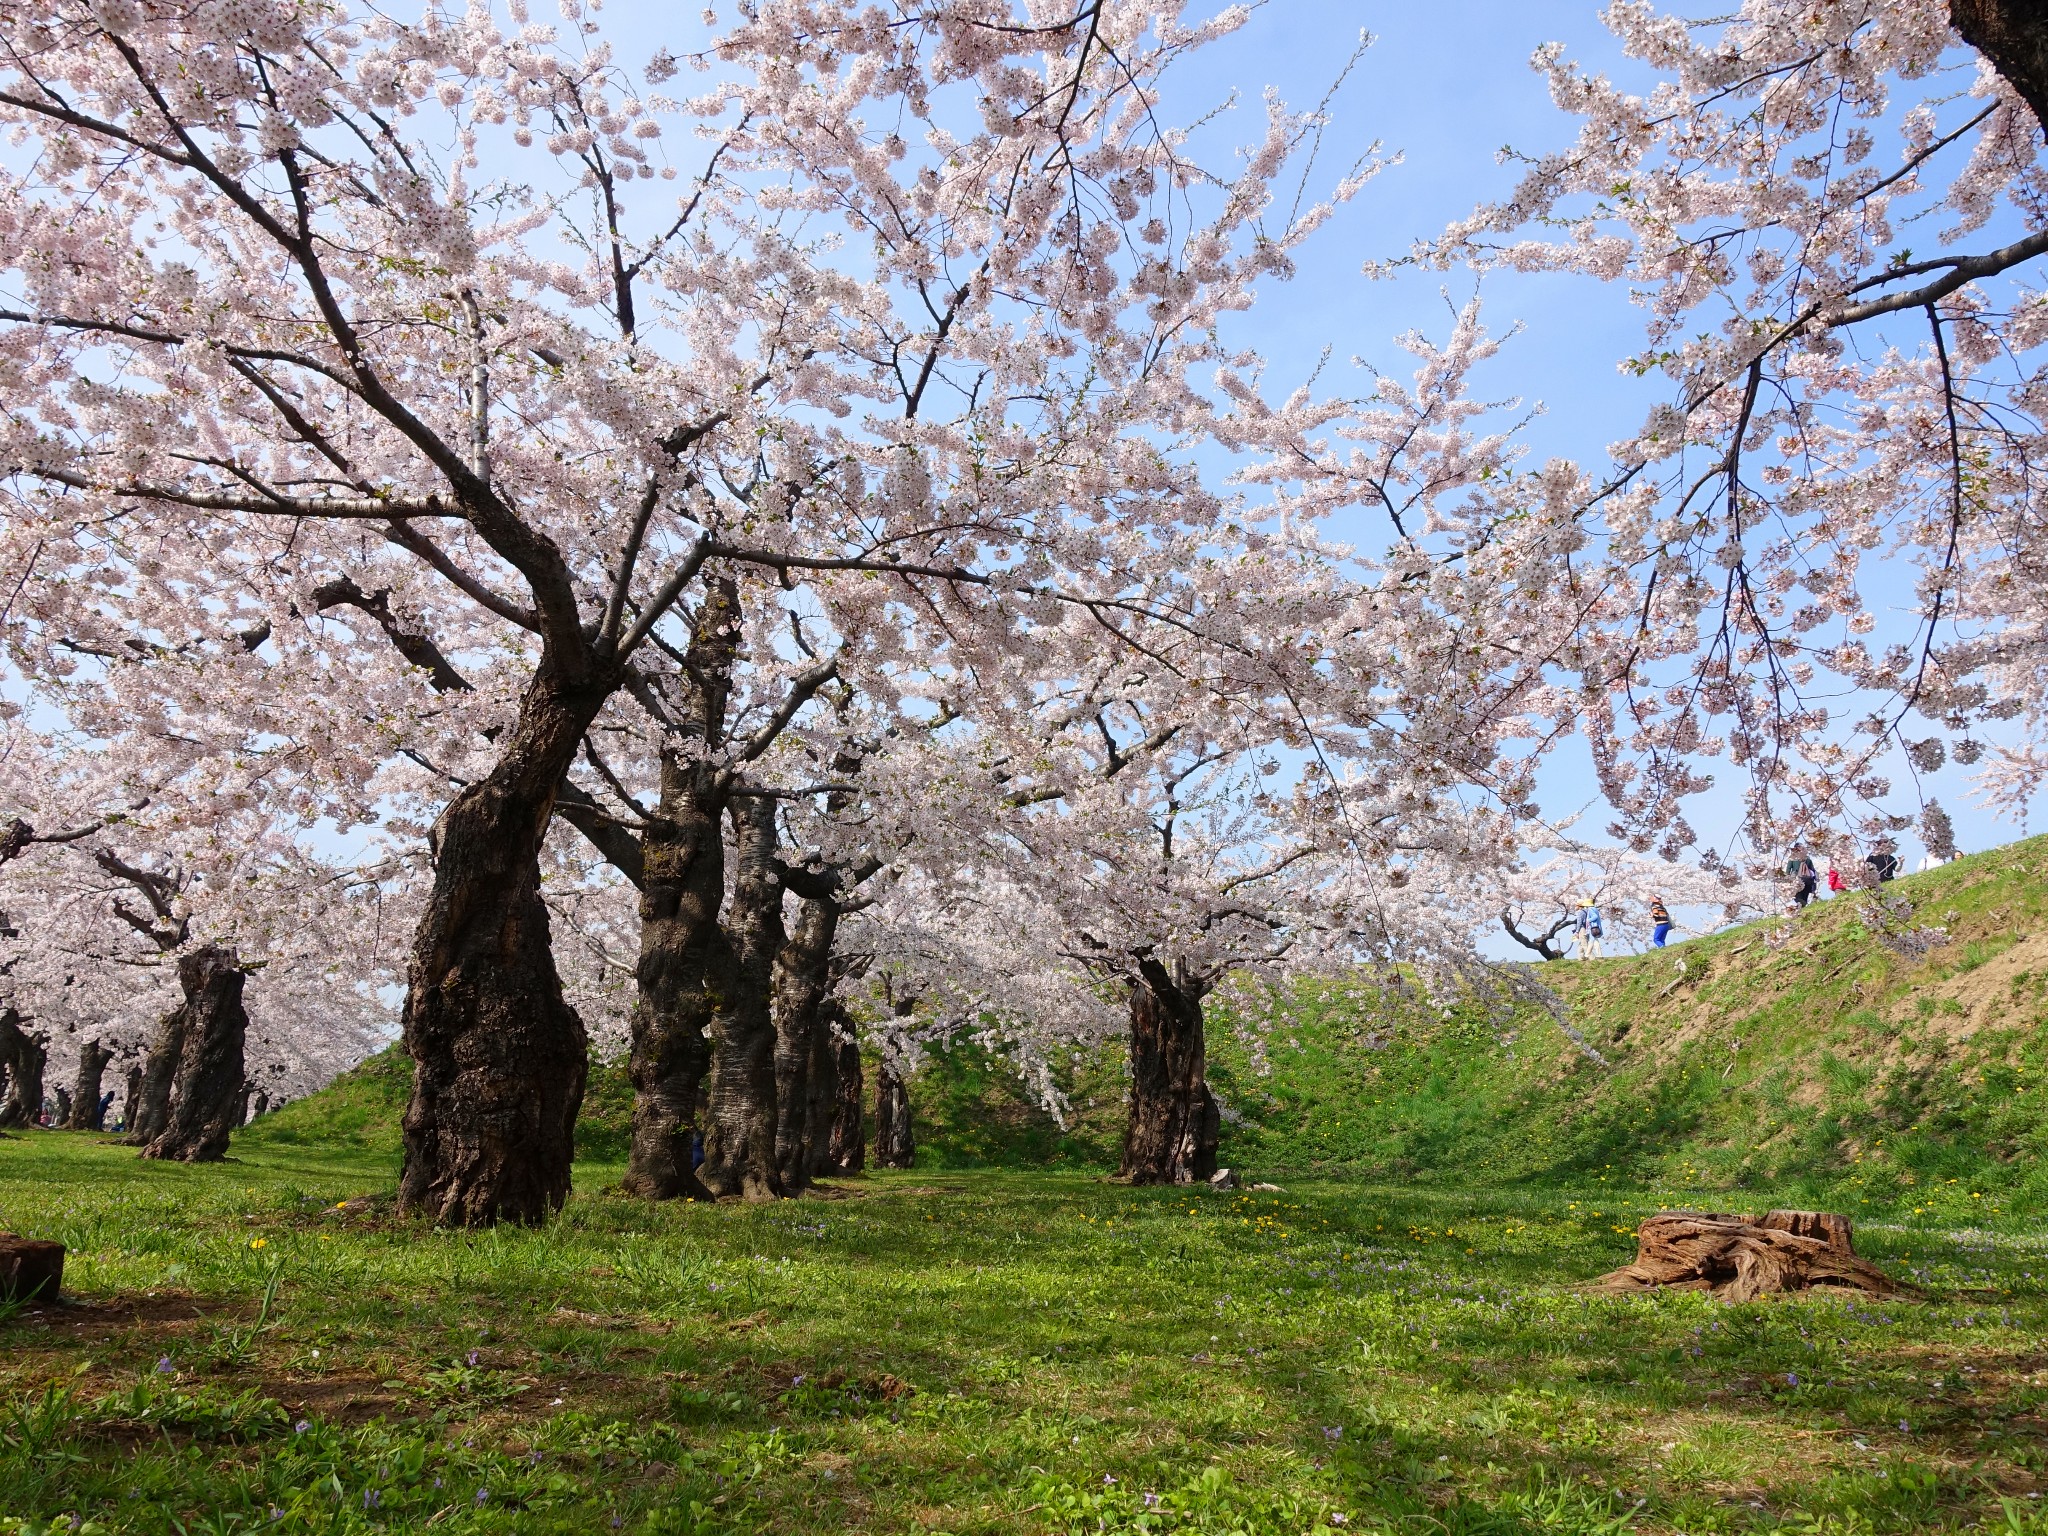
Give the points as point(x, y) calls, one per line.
point(1447, 86)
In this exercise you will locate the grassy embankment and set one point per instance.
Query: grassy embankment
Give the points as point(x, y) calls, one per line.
point(1392, 1343)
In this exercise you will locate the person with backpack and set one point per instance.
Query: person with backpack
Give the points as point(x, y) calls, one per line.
point(1805, 877)
point(1587, 927)
point(1660, 921)
point(1883, 863)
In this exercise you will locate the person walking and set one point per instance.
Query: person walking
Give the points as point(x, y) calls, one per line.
point(1805, 877)
point(1883, 862)
point(1660, 921)
point(1836, 884)
point(1587, 927)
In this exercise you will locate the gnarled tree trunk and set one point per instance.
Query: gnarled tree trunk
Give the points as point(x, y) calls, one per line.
point(86, 1114)
point(10, 1048)
point(845, 1151)
point(27, 1056)
point(60, 1116)
point(739, 1138)
point(149, 1096)
point(499, 1057)
point(681, 946)
point(1738, 1259)
point(205, 1101)
point(803, 970)
point(895, 1147)
point(261, 1107)
point(132, 1105)
point(1171, 1135)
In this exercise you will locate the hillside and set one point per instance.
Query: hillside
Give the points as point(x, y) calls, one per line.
point(1806, 1051)
point(1803, 1053)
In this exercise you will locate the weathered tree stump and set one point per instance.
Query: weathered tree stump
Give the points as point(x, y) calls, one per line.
point(30, 1269)
point(1738, 1259)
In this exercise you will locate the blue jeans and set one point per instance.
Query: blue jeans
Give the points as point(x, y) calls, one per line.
point(1659, 934)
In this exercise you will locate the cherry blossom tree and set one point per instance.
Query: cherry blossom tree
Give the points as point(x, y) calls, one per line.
point(140, 903)
point(261, 330)
point(1534, 901)
point(1833, 216)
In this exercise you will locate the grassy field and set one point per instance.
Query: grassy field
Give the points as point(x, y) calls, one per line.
point(989, 1351)
point(1003, 1341)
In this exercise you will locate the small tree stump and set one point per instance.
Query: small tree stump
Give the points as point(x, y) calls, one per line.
point(1738, 1259)
point(30, 1269)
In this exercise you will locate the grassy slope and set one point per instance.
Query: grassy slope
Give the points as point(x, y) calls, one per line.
point(1805, 1055)
point(969, 1112)
point(1824, 1064)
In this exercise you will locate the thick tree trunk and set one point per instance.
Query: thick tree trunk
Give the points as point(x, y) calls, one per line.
point(149, 1097)
point(206, 1090)
point(739, 1140)
point(499, 1057)
point(2013, 35)
point(261, 1106)
point(683, 951)
point(823, 1092)
point(86, 1114)
point(895, 1147)
point(60, 1116)
point(681, 948)
point(132, 1105)
point(1172, 1131)
point(803, 972)
point(11, 1037)
point(845, 1151)
point(27, 1056)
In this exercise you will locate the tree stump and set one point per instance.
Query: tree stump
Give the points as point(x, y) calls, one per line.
point(1738, 1259)
point(30, 1269)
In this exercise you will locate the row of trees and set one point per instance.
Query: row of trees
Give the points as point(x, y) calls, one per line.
point(856, 572)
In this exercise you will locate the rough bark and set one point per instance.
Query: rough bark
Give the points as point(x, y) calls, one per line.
point(205, 1100)
point(1738, 1259)
point(684, 954)
point(131, 1106)
point(1172, 1131)
point(10, 1048)
point(895, 1146)
point(262, 1105)
point(802, 974)
point(681, 948)
point(27, 1056)
point(30, 1269)
point(822, 1111)
point(86, 1114)
point(499, 1057)
point(2013, 35)
point(149, 1114)
point(739, 1138)
point(845, 1151)
point(60, 1114)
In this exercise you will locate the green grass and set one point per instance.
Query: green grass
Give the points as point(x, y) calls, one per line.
point(1801, 1057)
point(977, 1352)
point(1002, 1341)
